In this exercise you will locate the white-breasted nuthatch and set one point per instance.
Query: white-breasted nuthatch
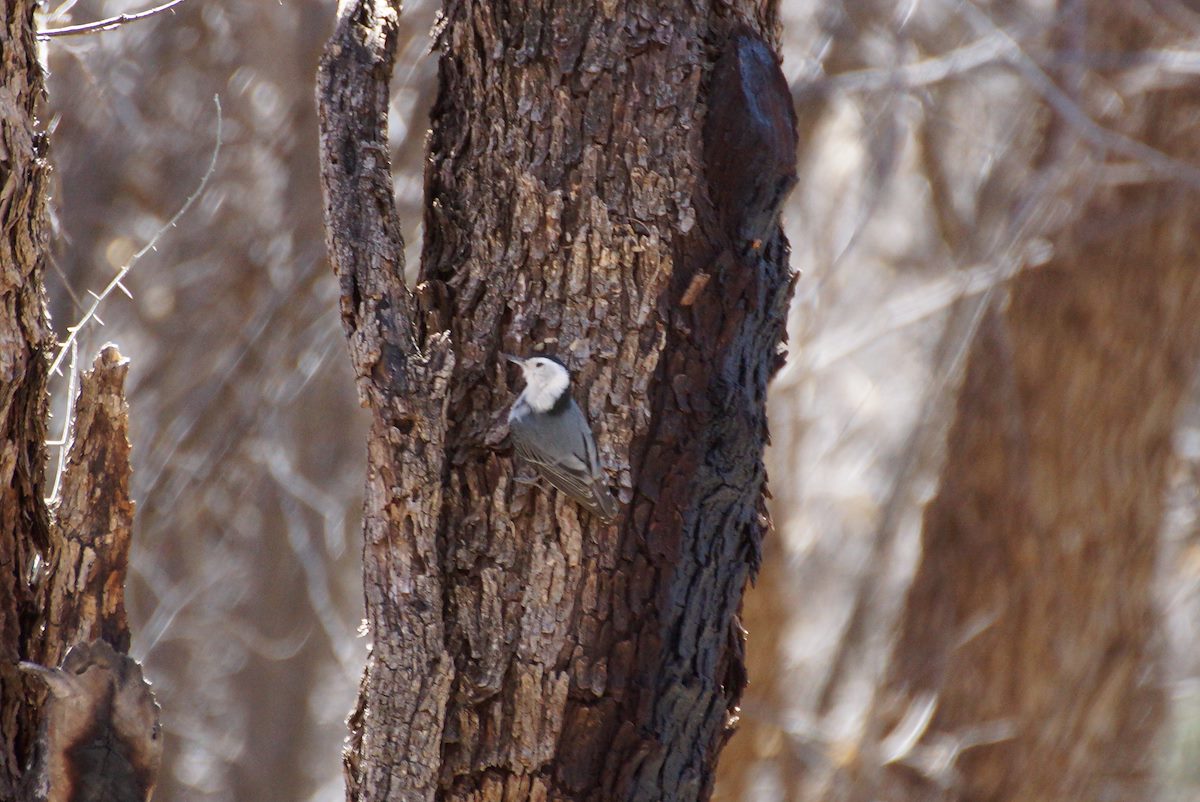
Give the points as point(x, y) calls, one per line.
point(550, 432)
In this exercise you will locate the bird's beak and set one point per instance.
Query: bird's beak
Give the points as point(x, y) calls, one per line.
point(514, 359)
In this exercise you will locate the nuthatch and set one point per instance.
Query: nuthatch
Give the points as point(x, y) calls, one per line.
point(550, 432)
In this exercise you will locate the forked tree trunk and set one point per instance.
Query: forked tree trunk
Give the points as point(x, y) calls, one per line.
point(1030, 626)
point(604, 184)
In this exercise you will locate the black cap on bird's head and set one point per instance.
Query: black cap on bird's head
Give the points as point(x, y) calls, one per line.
point(546, 381)
point(520, 360)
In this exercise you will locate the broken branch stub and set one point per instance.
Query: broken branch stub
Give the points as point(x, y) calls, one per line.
point(100, 737)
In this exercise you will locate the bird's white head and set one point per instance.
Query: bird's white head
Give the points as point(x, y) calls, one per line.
point(546, 380)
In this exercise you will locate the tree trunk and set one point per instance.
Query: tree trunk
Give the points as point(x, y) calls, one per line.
point(1028, 633)
point(24, 338)
point(603, 185)
point(65, 572)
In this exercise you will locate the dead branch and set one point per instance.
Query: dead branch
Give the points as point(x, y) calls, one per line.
point(100, 736)
point(83, 593)
point(105, 24)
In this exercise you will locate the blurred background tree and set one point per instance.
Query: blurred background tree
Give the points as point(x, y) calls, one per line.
point(946, 146)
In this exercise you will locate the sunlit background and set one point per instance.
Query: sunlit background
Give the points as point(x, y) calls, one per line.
point(248, 439)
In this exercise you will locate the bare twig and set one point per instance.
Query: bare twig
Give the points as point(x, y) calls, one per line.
point(980, 53)
point(115, 283)
point(936, 761)
point(62, 11)
point(998, 48)
point(909, 308)
point(991, 50)
point(901, 741)
point(68, 416)
point(1160, 163)
point(105, 24)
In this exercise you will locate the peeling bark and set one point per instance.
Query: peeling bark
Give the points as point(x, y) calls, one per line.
point(604, 185)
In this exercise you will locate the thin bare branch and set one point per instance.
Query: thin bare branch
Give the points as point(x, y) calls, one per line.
point(115, 283)
point(1160, 163)
point(105, 24)
point(998, 48)
point(980, 53)
point(68, 417)
point(992, 50)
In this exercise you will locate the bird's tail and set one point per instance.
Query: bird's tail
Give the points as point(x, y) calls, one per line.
point(602, 502)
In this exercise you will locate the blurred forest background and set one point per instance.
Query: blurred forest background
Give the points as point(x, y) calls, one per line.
point(922, 126)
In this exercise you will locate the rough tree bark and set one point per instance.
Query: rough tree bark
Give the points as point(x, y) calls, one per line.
point(1030, 626)
point(604, 184)
point(64, 569)
point(24, 337)
point(99, 732)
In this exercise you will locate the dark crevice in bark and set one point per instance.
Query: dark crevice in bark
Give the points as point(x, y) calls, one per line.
point(706, 519)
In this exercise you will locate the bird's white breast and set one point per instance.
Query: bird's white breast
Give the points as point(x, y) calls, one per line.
point(544, 388)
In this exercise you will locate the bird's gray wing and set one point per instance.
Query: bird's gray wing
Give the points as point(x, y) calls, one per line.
point(575, 469)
